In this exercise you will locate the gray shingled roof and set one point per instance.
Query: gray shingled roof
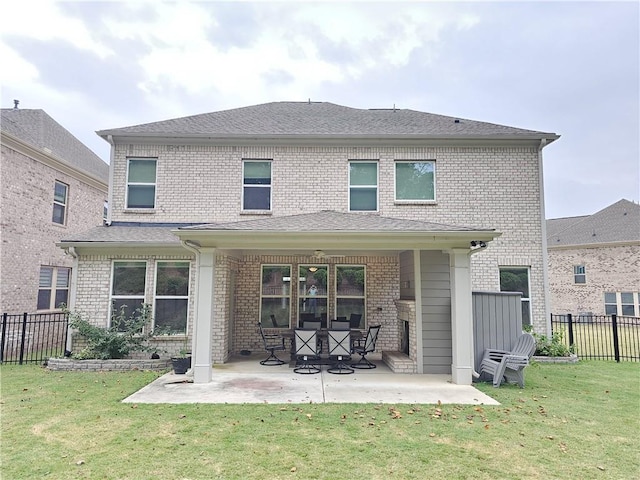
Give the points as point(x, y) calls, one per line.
point(40, 131)
point(619, 222)
point(126, 234)
point(330, 221)
point(322, 119)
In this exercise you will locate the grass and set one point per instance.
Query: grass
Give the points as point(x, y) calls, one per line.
point(571, 421)
point(597, 339)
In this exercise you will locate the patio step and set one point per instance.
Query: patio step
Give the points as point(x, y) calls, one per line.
point(398, 362)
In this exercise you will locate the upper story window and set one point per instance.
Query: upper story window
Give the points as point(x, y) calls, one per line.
point(579, 274)
point(256, 185)
point(415, 181)
point(60, 196)
point(363, 186)
point(141, 183)
point(53, 289)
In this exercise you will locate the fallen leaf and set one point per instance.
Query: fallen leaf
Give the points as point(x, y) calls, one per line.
point(432, 435)
point(294, 469)
point(80, 462)
point(600, 467)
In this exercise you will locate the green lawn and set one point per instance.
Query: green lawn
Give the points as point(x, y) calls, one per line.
point(571, 421)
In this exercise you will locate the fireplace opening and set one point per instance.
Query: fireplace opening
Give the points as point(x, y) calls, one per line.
point(404, 338)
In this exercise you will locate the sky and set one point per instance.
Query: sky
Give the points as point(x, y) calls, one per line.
point(571, 68)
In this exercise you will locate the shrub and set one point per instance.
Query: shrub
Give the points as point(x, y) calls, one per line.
point(551, 347)
point(125, 335)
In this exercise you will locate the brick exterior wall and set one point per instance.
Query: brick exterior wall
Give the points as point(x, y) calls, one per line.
point(608, 269)
point(28, 234)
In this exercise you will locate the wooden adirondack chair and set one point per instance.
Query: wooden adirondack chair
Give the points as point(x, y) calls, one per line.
point(509, 366)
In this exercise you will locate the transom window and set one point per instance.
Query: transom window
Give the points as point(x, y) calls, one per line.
point(275, 296)
point(415, 181)
point(579, 274)
point(127, 287)
point(53, 289)
point(60, 192)
point(141, 183)
point(363, 186)
point(256, 185)
point(514, 279)
point(172, 296)
point(351, 294)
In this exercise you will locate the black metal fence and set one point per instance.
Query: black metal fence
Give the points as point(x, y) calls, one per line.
point(32, 337)
point(600, 337)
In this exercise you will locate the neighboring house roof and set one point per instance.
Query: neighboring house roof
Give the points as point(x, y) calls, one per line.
point(322, 119)
point(618, 223)
point(295, 231)
point(37, 129)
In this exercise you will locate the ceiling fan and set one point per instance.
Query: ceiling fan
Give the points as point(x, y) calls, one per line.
point(321, 255)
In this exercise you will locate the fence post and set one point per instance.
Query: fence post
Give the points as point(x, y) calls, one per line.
point(24, 334)
point(616, 344)
point(4, 336)
point(570, 323)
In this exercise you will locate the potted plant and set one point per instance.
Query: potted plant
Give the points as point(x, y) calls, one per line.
point(182, 361)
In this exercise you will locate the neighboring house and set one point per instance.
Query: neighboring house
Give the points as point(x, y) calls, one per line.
point(220, 220)
point(594, 262)
point(52, 186)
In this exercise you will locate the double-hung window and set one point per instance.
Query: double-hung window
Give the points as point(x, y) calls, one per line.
point(60, 196)
point(579, 274)
point(275, 295)
point(127, 288)
point(351, 293)
point(256, 185)
point(516, 279)
point(172, 296)
point(141, 183)
point(363, 186)
point(415, 181)
point(53, 289)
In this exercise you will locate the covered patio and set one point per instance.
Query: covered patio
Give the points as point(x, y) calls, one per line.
point(244, 380)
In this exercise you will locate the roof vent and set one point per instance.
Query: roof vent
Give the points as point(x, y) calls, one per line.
point(457, 120)
point(15, 104)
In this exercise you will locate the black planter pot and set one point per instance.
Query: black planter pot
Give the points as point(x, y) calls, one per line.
point(181, 365)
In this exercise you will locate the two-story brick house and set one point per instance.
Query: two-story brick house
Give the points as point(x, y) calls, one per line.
point(51, 186)
point(594, 262)
point(223, 219)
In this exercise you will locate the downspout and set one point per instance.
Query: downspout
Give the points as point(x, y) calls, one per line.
point(72, 293)
point(193, 248)
point(545, 255)
point(474, 374)
point(112, 156)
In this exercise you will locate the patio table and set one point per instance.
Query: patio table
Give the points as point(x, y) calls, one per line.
point(322, 335)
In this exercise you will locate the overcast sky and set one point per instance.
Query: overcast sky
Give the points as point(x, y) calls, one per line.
point(570, 68)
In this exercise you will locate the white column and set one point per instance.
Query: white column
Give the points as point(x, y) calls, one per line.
point(203, 324)
point(461, 316)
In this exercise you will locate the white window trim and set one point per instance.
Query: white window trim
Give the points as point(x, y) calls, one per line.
point(619, 303)
point(172, 297)
point(53, 288)
point(576, 274)
point(398, 201)
point(270, 186)
point(377, 185)
point(306, 296)
point(363, 296)
point(64, 205)
point(522, 297)
point(262, 266)
point(116, 297)
point(155, 186)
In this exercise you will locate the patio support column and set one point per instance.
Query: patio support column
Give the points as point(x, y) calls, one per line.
point(203, 325)
point(461, 316)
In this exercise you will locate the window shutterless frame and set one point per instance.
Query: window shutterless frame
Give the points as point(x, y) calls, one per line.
point(415, 181)
point(141, 183)
point(363, 185)
point(275, 294)
point(53, 288)
point(256, 184)
point(579, 274)
point(128, 283)
point(518, 279)
point(171, 296)
point(60, 200)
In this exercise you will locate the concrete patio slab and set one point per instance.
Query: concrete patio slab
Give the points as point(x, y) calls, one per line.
point(246, 381)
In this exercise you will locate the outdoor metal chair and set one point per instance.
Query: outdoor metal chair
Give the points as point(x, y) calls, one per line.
point(368, 347)
point(339, 351)
point(306, 344)
point(274, 322)
point(354, 320)
point(272, 344)
point(508, 366)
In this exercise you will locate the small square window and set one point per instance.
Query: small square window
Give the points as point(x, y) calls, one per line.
point(415, 180)
point(579, 274)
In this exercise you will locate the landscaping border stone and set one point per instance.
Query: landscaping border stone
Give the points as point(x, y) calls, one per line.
point(546, 359)
point(94, 365)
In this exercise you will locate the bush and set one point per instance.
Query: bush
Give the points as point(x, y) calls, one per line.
point(551, 347)
point(125, 335)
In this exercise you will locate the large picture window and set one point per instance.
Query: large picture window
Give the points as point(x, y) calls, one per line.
point(172, 296)
point(516, 279)
point(60, 196)
point(312, 293)
point(141, 183)
point(127, 287)
point(256, 185)
point(53, 289)
point(351, 294)
point(363, 186)
point(275, 296)
point(415, 181)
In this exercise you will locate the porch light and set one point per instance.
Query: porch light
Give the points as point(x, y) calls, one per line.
point(313, 269)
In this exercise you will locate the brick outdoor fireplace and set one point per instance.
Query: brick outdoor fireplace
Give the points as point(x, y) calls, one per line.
point(404, 360)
